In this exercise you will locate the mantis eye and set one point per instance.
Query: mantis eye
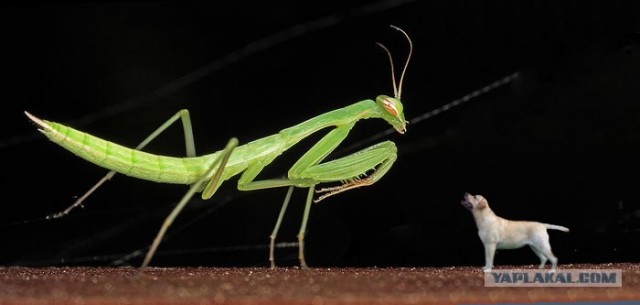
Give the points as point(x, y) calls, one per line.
point(390, 106)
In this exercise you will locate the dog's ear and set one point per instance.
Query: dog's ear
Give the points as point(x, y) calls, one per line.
point(482, 203)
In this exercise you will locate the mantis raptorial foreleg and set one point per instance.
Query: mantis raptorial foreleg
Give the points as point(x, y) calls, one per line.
point(382, 154)
point(308, 172)
point(183, 115)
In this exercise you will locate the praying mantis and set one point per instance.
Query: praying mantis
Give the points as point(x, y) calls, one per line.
point(207, 172)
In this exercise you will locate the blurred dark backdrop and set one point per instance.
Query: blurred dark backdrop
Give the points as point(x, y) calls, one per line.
point(560, 144)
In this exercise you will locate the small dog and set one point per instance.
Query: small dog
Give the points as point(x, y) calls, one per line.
point(499, 233)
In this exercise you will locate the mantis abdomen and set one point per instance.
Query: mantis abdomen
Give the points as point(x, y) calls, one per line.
point(152, 167)
point(125, 160)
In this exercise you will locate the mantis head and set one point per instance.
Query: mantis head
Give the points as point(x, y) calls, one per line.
point(392, 112)
point(392, 109)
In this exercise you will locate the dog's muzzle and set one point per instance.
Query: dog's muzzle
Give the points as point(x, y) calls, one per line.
point(465, 203)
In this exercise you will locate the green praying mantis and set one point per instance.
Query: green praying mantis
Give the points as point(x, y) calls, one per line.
point(207, 172)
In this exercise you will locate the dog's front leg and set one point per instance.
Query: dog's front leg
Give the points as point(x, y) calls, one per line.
point(489, 251)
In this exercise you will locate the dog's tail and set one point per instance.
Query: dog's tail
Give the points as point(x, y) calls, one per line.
point(555, 227)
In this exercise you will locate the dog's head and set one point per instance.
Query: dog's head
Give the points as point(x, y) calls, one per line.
point(472, 202)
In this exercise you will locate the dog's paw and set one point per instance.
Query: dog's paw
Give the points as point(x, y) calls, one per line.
point(486, 269)
point(552, 270)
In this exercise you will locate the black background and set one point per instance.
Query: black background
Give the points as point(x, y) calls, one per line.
point(560, 144)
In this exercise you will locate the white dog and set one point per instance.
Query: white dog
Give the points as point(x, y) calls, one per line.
point(499, 233)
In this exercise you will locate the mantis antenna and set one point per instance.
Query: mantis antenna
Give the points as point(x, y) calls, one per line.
point(397, 89)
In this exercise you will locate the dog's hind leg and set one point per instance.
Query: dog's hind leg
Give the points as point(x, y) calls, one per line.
point(543, 258)
point(553, 259)
point(542, 248)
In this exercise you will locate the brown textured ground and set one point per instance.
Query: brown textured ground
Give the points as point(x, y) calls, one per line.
point(452, 285)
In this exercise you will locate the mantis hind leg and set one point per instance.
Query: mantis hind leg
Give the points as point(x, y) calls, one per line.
point(183, 115)
point(211, 179)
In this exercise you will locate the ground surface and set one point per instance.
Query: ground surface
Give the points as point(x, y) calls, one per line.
point(454, 285)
